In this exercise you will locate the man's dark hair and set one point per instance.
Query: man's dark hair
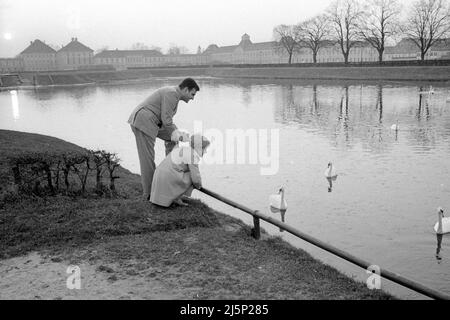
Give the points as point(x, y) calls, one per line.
point(190, 84)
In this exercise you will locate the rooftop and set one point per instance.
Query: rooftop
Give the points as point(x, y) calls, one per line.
point(127, 53)
point(37, 46)
point(75, 46)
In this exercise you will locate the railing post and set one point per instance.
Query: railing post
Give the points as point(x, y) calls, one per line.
point(256, 231)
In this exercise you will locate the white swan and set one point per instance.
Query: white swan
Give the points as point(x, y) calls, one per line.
point(395, 126)
point(430, 91)
point(277, 202)
point(330, 172)
point(443, 224)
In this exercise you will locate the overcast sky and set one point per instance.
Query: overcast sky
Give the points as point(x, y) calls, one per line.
point(119, 24)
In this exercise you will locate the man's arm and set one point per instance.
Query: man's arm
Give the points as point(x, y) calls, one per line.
point(169, 103)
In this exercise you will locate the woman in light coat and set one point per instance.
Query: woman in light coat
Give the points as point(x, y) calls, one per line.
point(178, 174)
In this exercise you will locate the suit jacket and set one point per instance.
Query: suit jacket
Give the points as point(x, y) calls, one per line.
point(157, 111)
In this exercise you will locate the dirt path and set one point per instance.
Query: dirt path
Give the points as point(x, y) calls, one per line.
point(35, 277)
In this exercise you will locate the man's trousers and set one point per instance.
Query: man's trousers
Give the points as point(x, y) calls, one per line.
point(146, 152)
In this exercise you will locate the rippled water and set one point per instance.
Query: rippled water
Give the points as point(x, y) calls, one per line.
point(381, 208)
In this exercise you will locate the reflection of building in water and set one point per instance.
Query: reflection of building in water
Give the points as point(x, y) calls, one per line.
point(15, 105)
point(246, 95)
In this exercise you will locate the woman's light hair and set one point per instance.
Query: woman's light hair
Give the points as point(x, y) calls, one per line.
point(198, 141)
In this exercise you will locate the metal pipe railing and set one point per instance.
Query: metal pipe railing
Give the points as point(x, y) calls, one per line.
point(399, 279)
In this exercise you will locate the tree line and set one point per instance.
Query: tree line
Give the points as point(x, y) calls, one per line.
point(349, 22)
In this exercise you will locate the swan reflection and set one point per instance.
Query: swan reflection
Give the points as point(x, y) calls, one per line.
point(330, 182)
point(438, 248)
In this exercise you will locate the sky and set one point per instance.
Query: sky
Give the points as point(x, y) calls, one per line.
point(120, 24)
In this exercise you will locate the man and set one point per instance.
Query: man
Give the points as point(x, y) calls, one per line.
point(153, 118)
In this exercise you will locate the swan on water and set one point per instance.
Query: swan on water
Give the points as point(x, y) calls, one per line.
point(430, 91)
point(330, 172)
point(277, 202)
point(443, 224)
point(395, 126)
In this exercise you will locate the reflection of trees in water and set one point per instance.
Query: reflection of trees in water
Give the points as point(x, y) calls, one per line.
point(315, 107)
point(343, 123)
point(423, 109)
point(361, 113)
point(287, 110)
point(423, 136)
point(379, 104)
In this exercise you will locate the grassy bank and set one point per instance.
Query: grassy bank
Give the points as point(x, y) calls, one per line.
point(187, 252)
point(410, 73)
point(351, 73)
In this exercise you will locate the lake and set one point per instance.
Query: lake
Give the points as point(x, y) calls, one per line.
point(383, 205)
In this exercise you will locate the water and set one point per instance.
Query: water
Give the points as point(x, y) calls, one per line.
point(381, 208)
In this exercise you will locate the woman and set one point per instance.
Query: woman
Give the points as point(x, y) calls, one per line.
point(178, 174)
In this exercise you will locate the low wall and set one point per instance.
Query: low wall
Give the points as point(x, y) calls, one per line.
point(406, 73)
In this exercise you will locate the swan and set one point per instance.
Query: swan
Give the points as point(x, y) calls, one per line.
point(277, 201)
point(395, 126)
point(443, 224)
point(278, 204)
point(430, 91)
point(330, 172)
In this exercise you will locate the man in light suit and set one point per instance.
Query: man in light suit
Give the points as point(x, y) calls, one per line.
point(153, 118)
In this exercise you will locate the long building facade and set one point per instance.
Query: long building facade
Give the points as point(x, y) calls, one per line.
point(38, 56)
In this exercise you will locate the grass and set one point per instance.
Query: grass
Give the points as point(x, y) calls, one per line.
point(409, 73)
point(203, 253)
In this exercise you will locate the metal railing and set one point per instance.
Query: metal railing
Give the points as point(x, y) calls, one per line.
point(256, 233)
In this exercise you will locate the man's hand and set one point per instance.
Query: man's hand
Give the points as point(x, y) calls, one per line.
point(178, 135)
point(184, 136)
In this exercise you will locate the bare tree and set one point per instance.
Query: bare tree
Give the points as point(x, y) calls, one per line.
point(101, 49)
point(379, 22)
point(176, 50)
point(139, 46)
point(156, 48)
point(54, 46)
point(287, 39)
point(428, 22)
point(344, 16)
point(312, 33)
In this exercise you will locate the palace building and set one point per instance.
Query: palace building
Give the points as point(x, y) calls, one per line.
point(39, 56)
